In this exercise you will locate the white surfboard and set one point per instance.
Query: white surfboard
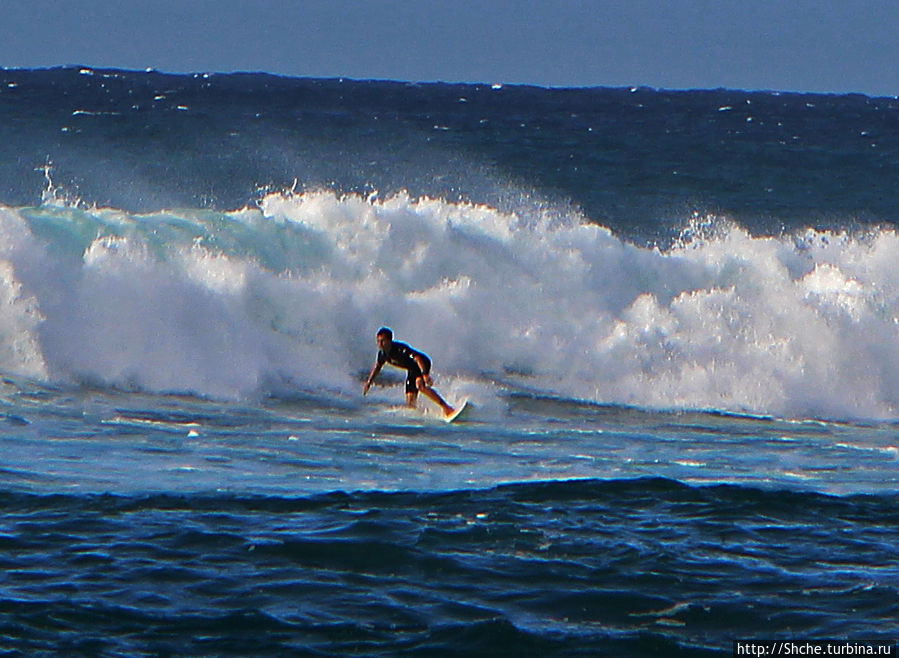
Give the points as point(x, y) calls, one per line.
point(462, 406)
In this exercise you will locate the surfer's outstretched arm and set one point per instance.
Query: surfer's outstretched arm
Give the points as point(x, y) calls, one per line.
point(371, 377)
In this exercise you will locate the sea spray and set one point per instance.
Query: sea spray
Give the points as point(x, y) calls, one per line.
point(237, 304)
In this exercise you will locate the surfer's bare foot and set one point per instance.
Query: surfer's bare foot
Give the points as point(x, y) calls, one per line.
point(448, 411)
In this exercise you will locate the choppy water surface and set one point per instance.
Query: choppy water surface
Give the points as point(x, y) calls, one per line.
point(673, 313)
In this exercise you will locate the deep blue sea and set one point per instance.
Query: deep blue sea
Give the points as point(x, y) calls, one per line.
point(675, 316)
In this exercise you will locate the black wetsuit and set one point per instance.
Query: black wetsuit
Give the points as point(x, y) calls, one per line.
point(403, 356)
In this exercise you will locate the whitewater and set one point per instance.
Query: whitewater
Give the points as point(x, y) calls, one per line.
point(237, 304)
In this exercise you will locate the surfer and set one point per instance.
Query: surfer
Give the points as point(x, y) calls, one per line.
point(416, 364)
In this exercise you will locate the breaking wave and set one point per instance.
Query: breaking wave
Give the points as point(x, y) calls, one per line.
point(291, 291)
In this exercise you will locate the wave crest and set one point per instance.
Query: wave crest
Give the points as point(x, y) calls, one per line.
point(236, 304)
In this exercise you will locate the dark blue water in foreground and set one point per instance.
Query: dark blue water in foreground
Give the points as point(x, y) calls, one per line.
point(630, 567)
point(674, 314)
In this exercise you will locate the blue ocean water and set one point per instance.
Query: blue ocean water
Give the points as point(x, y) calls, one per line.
point(673, 313)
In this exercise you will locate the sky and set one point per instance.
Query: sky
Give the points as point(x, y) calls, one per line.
point(836, 46)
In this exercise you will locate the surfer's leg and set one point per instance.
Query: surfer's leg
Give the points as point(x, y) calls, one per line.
point(433, 395)
point(411, 390)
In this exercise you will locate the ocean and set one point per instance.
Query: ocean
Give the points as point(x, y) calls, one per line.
point(674, 314)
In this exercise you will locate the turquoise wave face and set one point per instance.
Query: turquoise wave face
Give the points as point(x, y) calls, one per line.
point(229, 304)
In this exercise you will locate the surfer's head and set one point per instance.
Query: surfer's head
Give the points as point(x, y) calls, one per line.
point(385, 338)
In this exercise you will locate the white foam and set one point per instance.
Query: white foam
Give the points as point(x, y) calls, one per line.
point(293, 291)
point(20, 314)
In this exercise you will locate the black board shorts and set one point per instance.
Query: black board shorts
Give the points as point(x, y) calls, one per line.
point(412, 374)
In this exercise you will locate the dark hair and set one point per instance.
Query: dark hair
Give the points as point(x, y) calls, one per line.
point(384, 331)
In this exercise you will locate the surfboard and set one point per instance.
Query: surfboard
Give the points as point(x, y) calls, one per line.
point(458, 411)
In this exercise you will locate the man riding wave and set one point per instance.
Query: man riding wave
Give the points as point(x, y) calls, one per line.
point(416, 364)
